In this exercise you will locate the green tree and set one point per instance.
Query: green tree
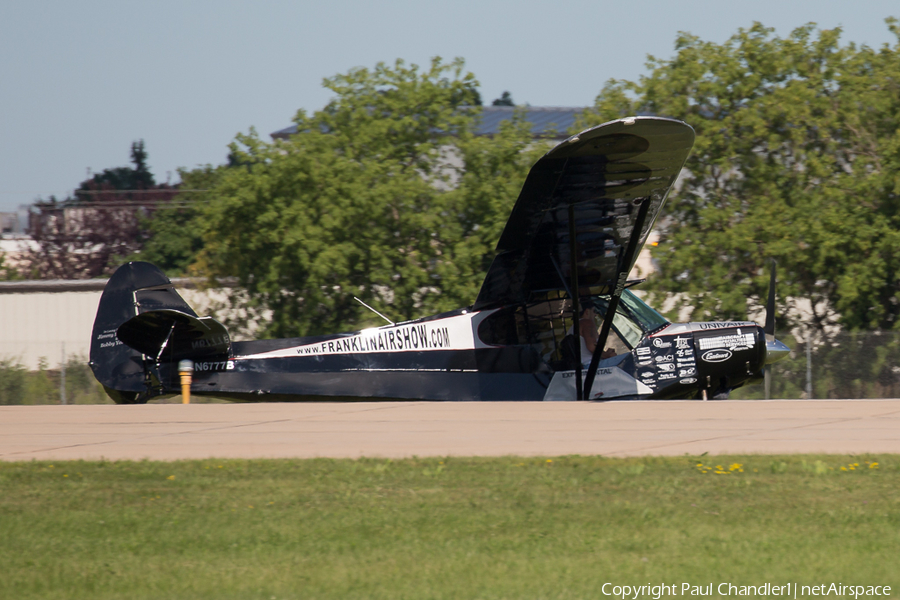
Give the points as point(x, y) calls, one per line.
point(90, 233)
point(13, 382)
point(505, 99)
point(797, 158)
point(175, 231)
point(492, 174)
point(375, 197)
point(8, 272)
point(137, 177)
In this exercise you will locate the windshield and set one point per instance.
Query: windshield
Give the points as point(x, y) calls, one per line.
point(633, 318)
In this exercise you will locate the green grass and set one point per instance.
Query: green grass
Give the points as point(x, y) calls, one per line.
point(452, 528)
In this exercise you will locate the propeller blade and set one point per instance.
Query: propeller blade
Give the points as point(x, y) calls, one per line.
point(770, 305)
point(775, 350)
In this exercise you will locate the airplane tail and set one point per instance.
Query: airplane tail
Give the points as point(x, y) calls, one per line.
point(142, 329)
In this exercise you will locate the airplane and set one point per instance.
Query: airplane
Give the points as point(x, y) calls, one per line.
point(574, 233)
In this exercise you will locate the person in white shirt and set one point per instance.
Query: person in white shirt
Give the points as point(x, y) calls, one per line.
point(589, 335)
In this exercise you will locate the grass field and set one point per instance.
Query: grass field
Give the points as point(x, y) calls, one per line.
point(452, 528)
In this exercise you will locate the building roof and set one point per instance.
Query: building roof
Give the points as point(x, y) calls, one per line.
point(546, 121)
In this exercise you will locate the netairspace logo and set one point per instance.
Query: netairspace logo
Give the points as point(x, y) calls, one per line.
point(788, 590)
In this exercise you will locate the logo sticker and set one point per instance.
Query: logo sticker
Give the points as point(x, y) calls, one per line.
point(688, 381)
point(738, 341)
point(716, 356)
point(659, 343)
point(666, 367)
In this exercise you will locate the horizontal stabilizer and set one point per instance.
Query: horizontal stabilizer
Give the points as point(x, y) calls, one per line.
point(172, 335)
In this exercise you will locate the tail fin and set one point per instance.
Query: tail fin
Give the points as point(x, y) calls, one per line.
point(142, 322)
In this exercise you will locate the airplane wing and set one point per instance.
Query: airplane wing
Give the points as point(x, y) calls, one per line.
point(605, 173)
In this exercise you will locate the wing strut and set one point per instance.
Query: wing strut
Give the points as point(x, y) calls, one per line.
point(621, 275)
point(576, 315)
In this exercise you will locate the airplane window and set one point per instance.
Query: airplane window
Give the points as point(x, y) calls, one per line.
point(501, 328)
point(545, 323)
point(633, 318)
point(628, 329)
point(648, 318)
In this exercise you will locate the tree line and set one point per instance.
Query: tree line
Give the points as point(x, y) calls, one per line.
point(797, 159)
point(386, 194)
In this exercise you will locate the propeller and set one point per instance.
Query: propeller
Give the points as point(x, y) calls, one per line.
point(775, 350)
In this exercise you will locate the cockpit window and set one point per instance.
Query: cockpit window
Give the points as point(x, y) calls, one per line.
point(544, 324)
point(633, 318)
point(648, 318)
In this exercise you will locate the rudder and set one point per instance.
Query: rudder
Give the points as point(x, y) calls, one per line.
point(135, 288)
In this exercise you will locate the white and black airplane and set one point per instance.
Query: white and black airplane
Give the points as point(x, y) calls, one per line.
point(573, 236)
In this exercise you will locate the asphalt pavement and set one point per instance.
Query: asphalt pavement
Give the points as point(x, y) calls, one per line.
point(404, 429)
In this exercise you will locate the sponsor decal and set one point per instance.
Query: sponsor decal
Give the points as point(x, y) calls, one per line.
point(643, 351)
point(110, 335)
point(666, 367)
point(418, 337)
point(659, 343)
point(687, 363)
point(647, 375)
point(687, 372)
point(738, 341)
point(688, 381)
point(666, 376)
point(644, 363)
point(209, 343)
point(716, 356)
point(682, 343)
point(600, 372)
point(725, 325)
point(681, 328)
point(685, 353)
point(452, 333)
point(666, 358)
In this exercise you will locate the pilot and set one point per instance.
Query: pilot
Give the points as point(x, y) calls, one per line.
point(589, 334)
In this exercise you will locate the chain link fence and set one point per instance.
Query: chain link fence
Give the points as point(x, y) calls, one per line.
point(66, 382)
point(863, 365)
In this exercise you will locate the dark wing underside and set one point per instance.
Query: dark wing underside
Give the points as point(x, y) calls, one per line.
point(606, 173)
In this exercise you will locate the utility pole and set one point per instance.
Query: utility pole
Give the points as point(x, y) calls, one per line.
point(62, 375)
point(809, 384)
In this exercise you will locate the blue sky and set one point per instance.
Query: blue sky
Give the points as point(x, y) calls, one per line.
point(80, 81)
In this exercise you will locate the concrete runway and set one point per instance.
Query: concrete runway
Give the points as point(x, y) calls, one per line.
point(402, 429)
